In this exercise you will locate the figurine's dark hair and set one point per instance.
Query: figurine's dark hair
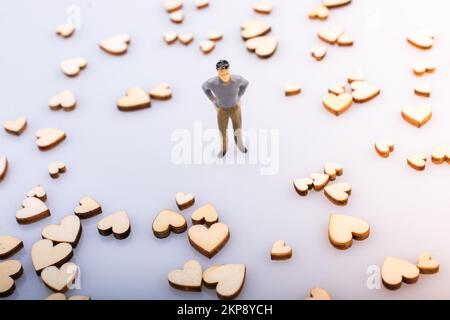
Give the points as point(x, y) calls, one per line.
point(222, 64)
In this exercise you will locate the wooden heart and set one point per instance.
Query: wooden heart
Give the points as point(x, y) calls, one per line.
point(333, 169)
point(396, 271)
point(214, 35)
point(228, 279)
point(65, 30)
point(207, 46)
point(184, 200)
point(319, 294)
point(423, 66)
point(345, 40)
point(16, 127)
point(338, 193)
point(264, 7)
point(170, 37)
point(427, 265)
point(3, 167)
point(280, 251)
point(421, 40)
point(64, 100)
point(172, 5)
point(335, 3)
point(319, 12)
point(423, 90)
point(318, 52)
point(303, 185)
point(177, 16)
point(33, 210)
point(186, 38)
point(62, 296)
point(320, 180)
point(292, 89)
point(254, 28)
point(48, 138)
point(353, 77)
point(417, 161)
point(167, 221)
point(38, 192)
point(331, 34)
point(337, 104)
point(189, 279)
point(209, 241)
point(117, 223)
point(441, 154)
point(161, 92)
point(9, 246)
point(134, 99)
point(60, 280)
point(9, 271)
point(206, 214)
point(365, 92)
point(88, 208)
point(343, 229)
point(44, 254)
point(55, 168)
point(337, 89)
point(69, 231)
point(116, 45)
point(263, 47)
point(72, 67)
point(384, 148)
point(417, 115)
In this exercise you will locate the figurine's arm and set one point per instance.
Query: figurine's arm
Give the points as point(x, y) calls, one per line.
point(243, 87)
point(208, 92)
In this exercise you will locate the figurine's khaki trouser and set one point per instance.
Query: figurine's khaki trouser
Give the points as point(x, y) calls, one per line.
point(223, 115)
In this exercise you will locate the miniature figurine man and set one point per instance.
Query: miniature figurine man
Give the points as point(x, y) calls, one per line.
point(225, 91)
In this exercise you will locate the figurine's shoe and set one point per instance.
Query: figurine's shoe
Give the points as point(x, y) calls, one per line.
point(222, 153)
point(240, 146)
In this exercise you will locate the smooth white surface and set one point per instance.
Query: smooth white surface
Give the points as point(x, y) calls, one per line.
point(123, 159)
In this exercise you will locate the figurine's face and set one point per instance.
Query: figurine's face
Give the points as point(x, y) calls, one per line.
point(224, 74)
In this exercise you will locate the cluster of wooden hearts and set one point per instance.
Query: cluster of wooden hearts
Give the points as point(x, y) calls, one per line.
point(175, 11)
point(337, 193)
point(208, 236)
point(51, 255)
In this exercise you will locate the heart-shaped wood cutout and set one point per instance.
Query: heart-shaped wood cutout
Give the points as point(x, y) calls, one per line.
point(207, 46)
point(365, 92)
point(338, 193)
point(319, 12)
point(396, 271)
point(214, 35)
point(384, 148)
point(44, 254)
point(62, 296)
point(335, 3)
point(65, 30)
point(331, 34)
point(319, 294)
point(333, 169)
point(303, 185)
point(337, 104)
point(427, 265)
point(117, 223)
point(135, 99)
point(161, 92)
point(72, 67)
point(69, 231)
point(64, 100)
point(188, 279)
point(280, 251)
point(292, 89)
point(357, 76)
point(421, 40)
point(60, 280)
point(417, 161)
point(264, 7)
point(417, 115)
point(343, 229)
point(441, 154)
point(88, 208)
point(186, 38)
point(172, 5)
point(167, 221)
point(177, 16)
point(116, 45)
point(16, 127)
point(170, 37)
point(228, 279)
point(337, 89)
point(9, 271)
point(263, 47)
point(3, 167)
point(9, 246)
point(33, 210)
point(423, 66)
point(55, 168)
point(209, 241)
point(206, 214)
point(423, 90)
point(320, 180)
point(48, 138)
point(345, 40)
point(318, 52)
point(201, 4)
point(184, 200)
point(254, 28)
point(38, 192)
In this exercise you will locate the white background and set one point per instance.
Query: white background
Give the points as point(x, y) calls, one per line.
point(124, 159)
